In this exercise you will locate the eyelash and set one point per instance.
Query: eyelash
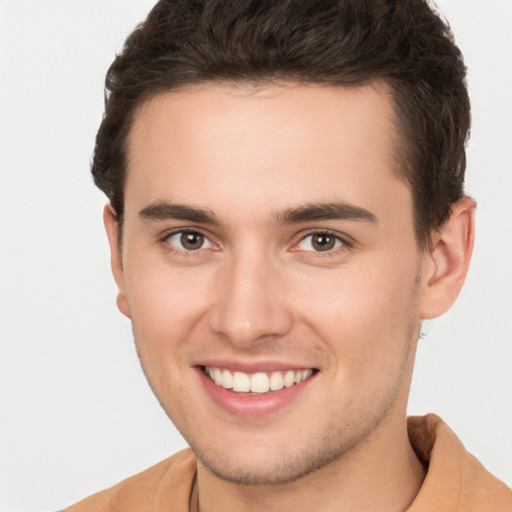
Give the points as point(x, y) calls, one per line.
point(164, 240)
point(346, 242)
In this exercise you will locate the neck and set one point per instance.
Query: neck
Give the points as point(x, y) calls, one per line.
point(382, 471)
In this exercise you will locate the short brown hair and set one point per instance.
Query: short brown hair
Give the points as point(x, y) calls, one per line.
point(403, 43)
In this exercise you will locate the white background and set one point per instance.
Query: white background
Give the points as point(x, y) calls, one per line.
point(76, 413)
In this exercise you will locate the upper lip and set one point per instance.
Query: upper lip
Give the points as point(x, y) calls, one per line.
point(253, 366)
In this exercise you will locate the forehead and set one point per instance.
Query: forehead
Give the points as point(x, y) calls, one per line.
point(264, 148)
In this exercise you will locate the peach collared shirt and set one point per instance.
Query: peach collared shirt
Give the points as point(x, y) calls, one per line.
point(455, 481)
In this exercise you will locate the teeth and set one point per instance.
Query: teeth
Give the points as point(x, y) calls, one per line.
point(241, 382)
point(276, 381)
point(289, 379)
point(227, 379)
point(260, 382)
point(306, 374)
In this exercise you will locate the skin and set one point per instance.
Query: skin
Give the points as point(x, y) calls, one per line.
point(258, 290)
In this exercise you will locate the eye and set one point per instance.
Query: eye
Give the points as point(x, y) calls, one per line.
point(189, 241)
point(320, 242)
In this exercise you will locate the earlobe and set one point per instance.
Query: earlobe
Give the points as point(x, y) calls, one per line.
point(446, 264)
point(116, 260)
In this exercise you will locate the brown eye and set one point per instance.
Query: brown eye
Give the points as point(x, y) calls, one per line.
point(320, 242)
point(192, 241)
point(323, 242)
point(189, 241)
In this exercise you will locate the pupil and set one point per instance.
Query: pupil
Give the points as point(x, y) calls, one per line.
point(323, 242)
point(192, 241)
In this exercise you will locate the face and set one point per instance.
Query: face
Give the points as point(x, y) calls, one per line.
point(271, 272)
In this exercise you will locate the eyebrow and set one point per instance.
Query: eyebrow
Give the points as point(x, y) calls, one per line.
point(305, 213)
point(325, 211)
point(169, 211)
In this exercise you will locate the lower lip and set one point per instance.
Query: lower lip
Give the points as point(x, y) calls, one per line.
point(242, 404)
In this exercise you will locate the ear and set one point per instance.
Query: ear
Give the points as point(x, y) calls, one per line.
point(116, 260)
point(446, 263)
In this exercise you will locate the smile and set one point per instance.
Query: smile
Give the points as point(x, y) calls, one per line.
point(259, 383)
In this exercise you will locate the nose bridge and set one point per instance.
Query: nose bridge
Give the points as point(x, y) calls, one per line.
point(249, 302)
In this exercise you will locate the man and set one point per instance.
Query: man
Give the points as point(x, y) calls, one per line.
point(286, 207)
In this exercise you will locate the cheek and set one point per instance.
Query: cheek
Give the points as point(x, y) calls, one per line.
point(365, 314)
point(166, 309)
point(166, 306)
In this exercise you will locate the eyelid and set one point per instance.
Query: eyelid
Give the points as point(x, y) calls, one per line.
point(346, 241)
point(164, 237)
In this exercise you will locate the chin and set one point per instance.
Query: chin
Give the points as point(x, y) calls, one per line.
point(269, 467)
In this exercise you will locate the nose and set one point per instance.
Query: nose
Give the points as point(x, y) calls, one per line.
point(250, 301)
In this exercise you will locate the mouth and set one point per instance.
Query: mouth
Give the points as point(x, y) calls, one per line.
point(259, 383)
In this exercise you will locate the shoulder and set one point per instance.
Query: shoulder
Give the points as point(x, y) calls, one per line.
point(164, 486)
point(455, 479)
